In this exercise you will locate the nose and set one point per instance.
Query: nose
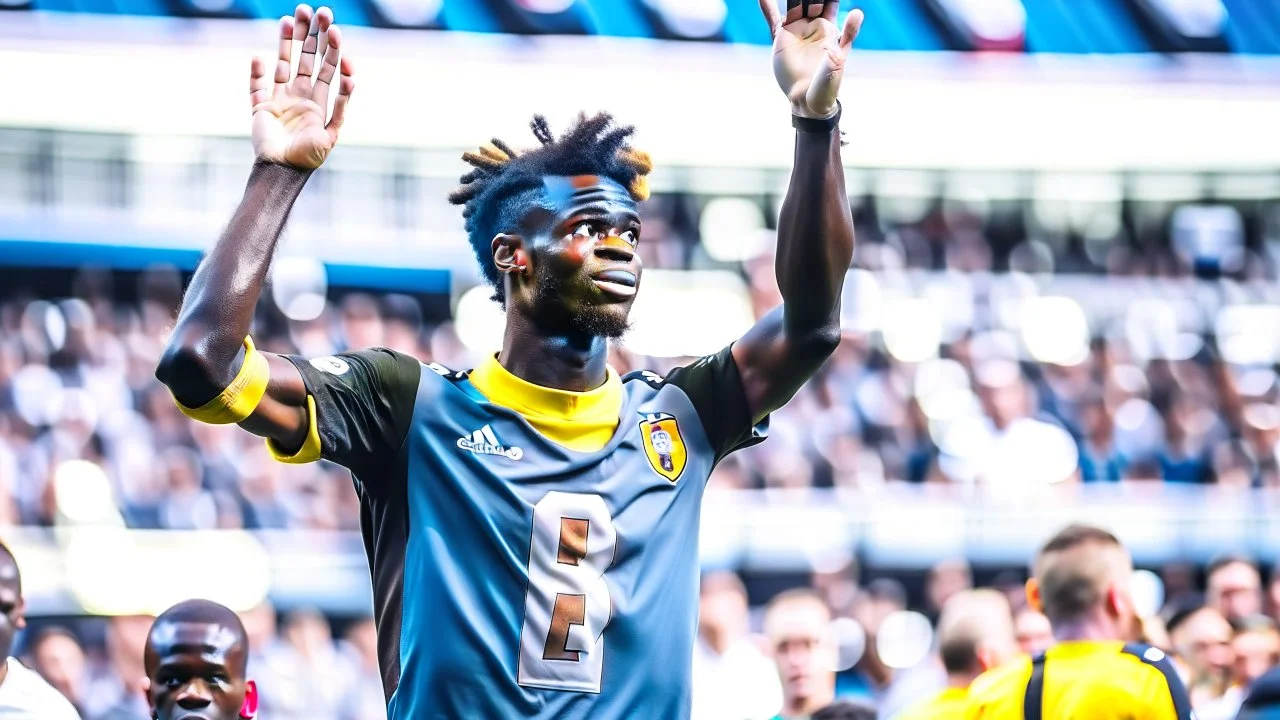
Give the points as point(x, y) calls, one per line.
point(194, 696)
point(615, 249)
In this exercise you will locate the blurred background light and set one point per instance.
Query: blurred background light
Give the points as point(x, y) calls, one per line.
point(912, 329)
point(298, 287)
point(904, 639)
point(83, 494)
point(688, 313)
point(480, 321)
point(733, 230)
point(1055, 330)
point(851, 642)
point(1249, 334)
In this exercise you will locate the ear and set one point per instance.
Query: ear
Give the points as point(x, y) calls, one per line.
point(144, 686)
point(1033, 595)
point(250, 707)
point(20, 614)
point(509, 254)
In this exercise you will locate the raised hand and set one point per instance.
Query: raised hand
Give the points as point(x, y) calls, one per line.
point(289, 117)
point(809, 52)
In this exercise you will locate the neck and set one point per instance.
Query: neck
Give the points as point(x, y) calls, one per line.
point(1092, 628)
point(960, 681)
point(4, 669)
point(803, 706)
point(563, 362)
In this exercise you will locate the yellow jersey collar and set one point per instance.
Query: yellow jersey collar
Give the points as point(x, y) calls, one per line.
point(502, 387)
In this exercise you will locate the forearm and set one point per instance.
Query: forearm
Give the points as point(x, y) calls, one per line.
point(815, 236)
point(216, 314)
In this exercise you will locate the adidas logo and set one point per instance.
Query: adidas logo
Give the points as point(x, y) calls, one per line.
point(484, 442)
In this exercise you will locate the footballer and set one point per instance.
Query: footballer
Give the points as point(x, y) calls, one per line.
point(531, 523)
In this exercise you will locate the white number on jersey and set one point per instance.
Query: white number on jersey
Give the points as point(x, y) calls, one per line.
point(567, 605)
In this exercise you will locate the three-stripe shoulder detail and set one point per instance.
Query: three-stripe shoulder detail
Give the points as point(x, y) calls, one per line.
point(446, 373)
point(1158, 659)
point(650, 378)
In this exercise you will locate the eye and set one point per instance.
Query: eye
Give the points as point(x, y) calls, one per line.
point(631, 236)
point(172, 681)
point(584, 231)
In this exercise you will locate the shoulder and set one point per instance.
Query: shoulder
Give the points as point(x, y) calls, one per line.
point(1153, 660)
point(1157, 667)
point(999, 682)
point(27, 688)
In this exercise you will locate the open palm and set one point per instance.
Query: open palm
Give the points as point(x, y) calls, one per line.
point(809, 52)
point(291, 125)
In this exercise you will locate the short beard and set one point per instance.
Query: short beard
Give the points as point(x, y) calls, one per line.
point(590, 321)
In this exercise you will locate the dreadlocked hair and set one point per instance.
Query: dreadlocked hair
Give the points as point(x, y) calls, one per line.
point(503, 183)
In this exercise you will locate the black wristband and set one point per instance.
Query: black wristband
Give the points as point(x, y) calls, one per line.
point(820, 126)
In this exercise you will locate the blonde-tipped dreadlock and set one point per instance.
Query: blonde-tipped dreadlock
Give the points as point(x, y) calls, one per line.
point(504, 183)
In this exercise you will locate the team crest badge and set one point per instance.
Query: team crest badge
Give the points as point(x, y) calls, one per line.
point(663, 445)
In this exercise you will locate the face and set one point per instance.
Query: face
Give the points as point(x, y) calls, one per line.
point(1236, 591)
point(1033, 632)
point(60, 661)
point(195, 672)
point(1204, 642)
point(12, 609)
point(802, 648)
point(1255, 653)
point(580, 252)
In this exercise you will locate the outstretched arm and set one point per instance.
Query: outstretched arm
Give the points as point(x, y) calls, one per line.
point(291, 138)
point(815, 229)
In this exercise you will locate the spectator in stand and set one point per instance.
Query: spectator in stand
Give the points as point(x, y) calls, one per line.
point(365, 698)
point(797, 624)
point(731, 676)
point(1255, 647)
point(1202, 646)
point(1234, 587)
point(57, 656)
point(115, 695)
point(946, 579)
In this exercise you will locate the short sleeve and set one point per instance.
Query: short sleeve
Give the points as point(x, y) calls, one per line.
point(714, 386)
point(1171, 699)
point(362, 404)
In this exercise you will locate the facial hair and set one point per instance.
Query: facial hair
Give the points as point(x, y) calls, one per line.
point(554, 318)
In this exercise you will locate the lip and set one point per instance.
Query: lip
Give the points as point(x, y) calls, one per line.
point(619, 283)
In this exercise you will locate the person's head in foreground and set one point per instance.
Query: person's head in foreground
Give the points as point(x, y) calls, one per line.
point(195, 662)
point(13, 609)
point(975, 634)
point(1033, 631)
point(556, 229)
point(1082, 582)
point(798, 626)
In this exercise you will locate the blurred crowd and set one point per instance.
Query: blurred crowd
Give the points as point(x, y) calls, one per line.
point(846, 643)
point(76, 384)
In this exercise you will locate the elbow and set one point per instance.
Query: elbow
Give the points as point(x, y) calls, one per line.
point(188, 371)
point(820, 343)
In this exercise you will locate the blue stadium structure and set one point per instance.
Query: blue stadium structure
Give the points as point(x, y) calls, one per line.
point(1054, 26)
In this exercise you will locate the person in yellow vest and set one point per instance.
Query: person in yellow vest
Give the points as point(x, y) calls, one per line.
point(975, 634)
point(1081, 582)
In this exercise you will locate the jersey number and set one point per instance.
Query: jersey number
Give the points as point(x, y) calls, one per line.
point(567, 606)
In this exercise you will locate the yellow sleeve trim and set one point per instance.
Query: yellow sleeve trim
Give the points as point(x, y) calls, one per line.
point(241, 397)
point(310, 450)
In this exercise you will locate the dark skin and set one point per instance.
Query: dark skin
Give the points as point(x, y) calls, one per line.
point(559, 339)
point(12, 608)
point(195, 663)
